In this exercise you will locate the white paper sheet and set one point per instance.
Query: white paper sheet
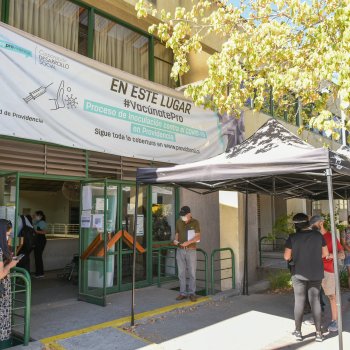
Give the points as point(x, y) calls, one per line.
point(87, 198)
point(97, 221)
point(140, 223)
point(100, 204)
point(85, 219)
point(190, 234)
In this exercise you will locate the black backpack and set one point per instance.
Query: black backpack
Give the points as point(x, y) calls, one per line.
point(29, 236)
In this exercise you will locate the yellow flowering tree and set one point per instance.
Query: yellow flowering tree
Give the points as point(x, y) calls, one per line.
point(295, 48)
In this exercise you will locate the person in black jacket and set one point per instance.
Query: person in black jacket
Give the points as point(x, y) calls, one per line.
point(304, 250)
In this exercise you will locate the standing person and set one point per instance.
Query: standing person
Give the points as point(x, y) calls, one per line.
point(186, 236)
point(345, 240)
point(26, 233)
point(328, 282)
point(306, 248)
point(40, 227)
point(6, 263)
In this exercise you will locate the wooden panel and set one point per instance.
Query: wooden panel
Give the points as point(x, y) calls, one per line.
point(65, 161)
point(22, 156)
point(102, 165)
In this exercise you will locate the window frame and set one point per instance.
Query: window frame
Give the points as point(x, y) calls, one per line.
point(92, 10)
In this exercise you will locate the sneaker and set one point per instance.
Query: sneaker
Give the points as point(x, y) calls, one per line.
point(181, 297)
point(193, 297)
point(333, 326)
point(319, 337)
point(39, 276)
point(309, 321)
point(298, 336)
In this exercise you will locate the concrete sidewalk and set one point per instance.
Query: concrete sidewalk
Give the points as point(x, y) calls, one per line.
point(258, 321)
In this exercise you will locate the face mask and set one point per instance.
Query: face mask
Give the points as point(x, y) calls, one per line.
point(183, 218)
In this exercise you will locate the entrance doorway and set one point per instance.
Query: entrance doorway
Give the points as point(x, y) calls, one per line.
point(55, 198)
point(93, 220)
point(107, 218)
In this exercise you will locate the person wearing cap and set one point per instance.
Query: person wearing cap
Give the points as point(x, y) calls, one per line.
point(328, 282)
point(306, 248)
point(187, 234)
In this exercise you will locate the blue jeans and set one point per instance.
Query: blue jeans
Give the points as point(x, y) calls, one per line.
point(187, 260)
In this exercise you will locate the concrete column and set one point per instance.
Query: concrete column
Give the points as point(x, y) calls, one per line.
point(232, 219)
point(204, 208)
point(297, 205)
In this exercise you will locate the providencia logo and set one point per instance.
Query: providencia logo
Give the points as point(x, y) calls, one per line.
point(15, 48)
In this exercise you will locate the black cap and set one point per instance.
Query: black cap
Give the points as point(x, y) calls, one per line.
point(184, 210)
point(300, 218)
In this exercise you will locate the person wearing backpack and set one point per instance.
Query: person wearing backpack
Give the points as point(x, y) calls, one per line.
point(27, 235)
point(40, 227)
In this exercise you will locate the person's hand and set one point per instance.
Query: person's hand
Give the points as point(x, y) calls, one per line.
point(12, 263)
point(185, 244)
point(329, 257)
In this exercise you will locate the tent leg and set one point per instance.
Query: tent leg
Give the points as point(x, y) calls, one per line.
point(134, 259)
point(245, 274)
point(335, 259)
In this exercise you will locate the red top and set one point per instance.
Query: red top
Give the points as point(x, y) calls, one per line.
point(328, 264)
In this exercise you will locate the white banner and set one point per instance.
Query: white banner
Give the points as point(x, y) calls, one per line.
point(50, 97)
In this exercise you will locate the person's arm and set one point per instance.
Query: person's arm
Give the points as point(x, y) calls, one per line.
point(325, 251)
point(343, 242)
point(345, 245)
point(5, 270)
point(288, 249)
point(340, 250)
point(41, 228)
point(195, 239)
point(176, 240)
point(287, 254)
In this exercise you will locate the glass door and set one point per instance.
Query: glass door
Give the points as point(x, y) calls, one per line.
point(127, 214)
point(9, 187)
point(97, 228)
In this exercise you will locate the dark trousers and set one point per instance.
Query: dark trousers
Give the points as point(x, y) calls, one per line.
point(40, 243)
point(302, 290)
point(25, 261)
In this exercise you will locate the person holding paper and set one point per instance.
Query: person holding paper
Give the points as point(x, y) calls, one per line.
point(186, 236)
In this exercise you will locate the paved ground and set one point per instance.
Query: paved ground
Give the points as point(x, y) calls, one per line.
point(259, 321)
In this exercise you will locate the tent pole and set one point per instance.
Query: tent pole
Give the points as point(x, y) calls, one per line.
point(273, 201)
point(134, 258)
point(335, 257)
point(273, 208)
point(245, 274)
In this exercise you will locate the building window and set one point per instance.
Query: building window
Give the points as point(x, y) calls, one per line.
point(163, 62)
point(316, 205)
point(341, 204)
point(58, 21)
point(120, 47)
point(163, 213)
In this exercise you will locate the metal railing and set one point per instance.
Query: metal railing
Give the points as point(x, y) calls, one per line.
point(166, 262)
point(203, 270)
point(63, 230)
point(271, 248)
point(221, 269)
point(21, 301)
point(167, 266)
